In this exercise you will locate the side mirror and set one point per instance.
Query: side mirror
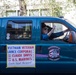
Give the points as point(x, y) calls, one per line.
point(72, 37)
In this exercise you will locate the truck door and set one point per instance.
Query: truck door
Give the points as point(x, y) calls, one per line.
point(18, 31)
point(67, 49)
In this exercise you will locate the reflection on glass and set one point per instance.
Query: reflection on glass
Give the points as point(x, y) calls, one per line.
point(19, 30)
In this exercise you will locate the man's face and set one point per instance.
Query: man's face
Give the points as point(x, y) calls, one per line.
point(24, 34)
point(45, 30)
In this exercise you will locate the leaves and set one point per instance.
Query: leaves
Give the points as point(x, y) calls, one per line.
point(7, 5)
point(55, 8)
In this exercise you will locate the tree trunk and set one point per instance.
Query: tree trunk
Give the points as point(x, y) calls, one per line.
point(22, 5)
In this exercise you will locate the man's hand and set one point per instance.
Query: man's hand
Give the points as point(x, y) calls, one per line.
point(54, 27)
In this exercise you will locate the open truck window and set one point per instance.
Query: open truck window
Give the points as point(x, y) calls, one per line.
point(60, 33)
point(19, 30)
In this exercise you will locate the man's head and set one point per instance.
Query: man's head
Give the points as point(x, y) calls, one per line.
point(24, 34)
point(45, 28)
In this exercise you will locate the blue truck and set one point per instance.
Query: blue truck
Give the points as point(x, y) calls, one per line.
point(56, 54)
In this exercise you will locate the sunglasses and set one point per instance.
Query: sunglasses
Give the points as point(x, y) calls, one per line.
point(45, 28)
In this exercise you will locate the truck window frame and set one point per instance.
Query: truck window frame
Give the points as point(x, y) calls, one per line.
point(19, 21)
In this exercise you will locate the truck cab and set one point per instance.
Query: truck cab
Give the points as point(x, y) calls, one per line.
point(28, 31)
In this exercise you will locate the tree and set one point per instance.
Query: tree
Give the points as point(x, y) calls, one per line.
point(74, 2)
point(6, 4)
point(55, 8)
point(22, 5)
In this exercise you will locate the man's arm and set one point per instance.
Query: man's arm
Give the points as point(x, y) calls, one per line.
point(55, 35)
point(50, 33)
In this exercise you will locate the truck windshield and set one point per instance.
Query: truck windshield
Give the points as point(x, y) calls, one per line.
point(74, 25)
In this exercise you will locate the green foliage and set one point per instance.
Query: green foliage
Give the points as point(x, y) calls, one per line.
point(55, 8)
point(73, 1)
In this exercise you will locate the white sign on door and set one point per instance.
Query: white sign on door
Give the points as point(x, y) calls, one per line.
point(20, 56)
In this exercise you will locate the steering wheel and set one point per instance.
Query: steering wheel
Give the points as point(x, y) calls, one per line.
point(70, 37)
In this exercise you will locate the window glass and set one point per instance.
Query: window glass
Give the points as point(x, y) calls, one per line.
point(19, 30)
point(58, 32)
